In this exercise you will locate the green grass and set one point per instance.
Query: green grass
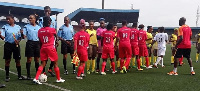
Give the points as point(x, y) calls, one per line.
point(147, 80)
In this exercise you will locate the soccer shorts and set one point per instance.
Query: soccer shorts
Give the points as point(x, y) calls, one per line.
point(143, 51)
point(161, 51)
point(92, 51)
point(82, 54)
point(183, 52)
point(66, 48)
point(107, 51)
point(11, 48)
point(32, 49)
point(48, 52)
point(135, 49)
point(125, 51)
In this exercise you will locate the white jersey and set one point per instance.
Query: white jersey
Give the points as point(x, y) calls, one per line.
point(161, 39)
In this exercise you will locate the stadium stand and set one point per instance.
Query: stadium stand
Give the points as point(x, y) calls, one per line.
point(21, 11)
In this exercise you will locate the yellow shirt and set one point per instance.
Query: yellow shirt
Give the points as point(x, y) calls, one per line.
point(198, 36)
point(93, 39)
point(149, 36)
point(155, 45)
point(115, 40)
point(174, 38)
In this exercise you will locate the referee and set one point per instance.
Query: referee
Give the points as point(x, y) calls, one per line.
point(12, 36)
point(65, 34)
point(30, 31)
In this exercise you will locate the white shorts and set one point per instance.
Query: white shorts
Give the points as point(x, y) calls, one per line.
point(161, 51)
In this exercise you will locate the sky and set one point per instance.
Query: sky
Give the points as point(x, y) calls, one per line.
point(152, 12)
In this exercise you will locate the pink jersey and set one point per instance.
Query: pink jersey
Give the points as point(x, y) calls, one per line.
point(83, 39)
point(46, 36)
point(99, 33)
point(134, 36)
point(142, 37)
point(124, 35)
point(108, 37)
point(186, 32)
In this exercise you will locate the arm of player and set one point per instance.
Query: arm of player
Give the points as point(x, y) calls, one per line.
point(56, 40)
point(179, 41)
point(170, 40)
point(1, 36)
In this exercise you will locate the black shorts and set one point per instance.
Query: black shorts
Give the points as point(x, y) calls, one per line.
point(11, 48)
point(65, 48)
point(183, 52)
point(32, 49)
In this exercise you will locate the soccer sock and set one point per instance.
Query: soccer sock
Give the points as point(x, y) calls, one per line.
point(121, 63)
point(98, 60)
point(113, 66)
point(127, 62)
point(7, 70)
point(83, 68)
point(133, 61)
point(57, 71)
point(191, 69)
point(181, 60)
point(154, 59)
point(103, 66)
point(147, 61)
point(162, 63)
point(158, 60)
point(175, 70)
point(51, 65)
point(138, 63)
point(65, 64)
point(88, 65)
point(141, 61)
point(74, 66)
point(93, 65)
point(197, 56)
point(40, 68)
point(28, 65)
point(43, 70)
point(172, 59)
point(36, 65)
point(118, 63)
point(80, 69)
point(19, 70)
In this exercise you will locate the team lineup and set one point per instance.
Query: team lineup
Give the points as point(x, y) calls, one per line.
point(126, 45)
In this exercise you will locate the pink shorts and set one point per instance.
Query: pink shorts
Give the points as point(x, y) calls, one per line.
point(125, 51)
point(143, 51)
point(82, 54)
point(135, 49)
point(108, 52)
point(48, 52)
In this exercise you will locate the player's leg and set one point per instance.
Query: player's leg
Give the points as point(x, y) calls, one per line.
point(73, 65)
point(197, 54)
point(36, 59)
point(98, 61)
point(155, 55)
point(80, 70)
point(17, 57)
point(94, 53)
point(57, 71)
point(89, 59)
point(146, 58)
point(181, 61)
point(40, 69)
point(28, 66)
point(71, 51)
point(65, 64)
point(128, 52)
point(172, 57)
point(7, 66)
point(103, 66)
point(149, 52)
point(186, 54)
point(138, 63)
point(117, 58)
point(7, 56)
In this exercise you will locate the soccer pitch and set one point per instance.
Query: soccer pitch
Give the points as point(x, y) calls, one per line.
point(147, 80)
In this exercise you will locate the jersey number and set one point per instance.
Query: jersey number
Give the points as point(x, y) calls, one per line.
point(125, 35)
point(107, 39)
point(81, 42)
point(159, 39)
point(45, 38)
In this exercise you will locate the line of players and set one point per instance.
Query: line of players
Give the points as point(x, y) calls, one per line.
point(107, 41)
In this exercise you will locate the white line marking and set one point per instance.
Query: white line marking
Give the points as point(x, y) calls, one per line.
point(47, 84)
